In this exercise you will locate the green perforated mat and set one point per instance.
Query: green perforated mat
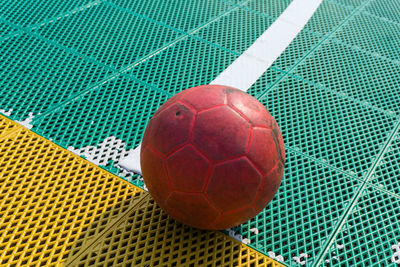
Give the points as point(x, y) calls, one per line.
point(370, 235)
point(91, 73)
point(239, 24)
point(105, 25)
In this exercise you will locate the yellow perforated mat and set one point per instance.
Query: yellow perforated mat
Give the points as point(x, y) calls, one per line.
point(56, 208)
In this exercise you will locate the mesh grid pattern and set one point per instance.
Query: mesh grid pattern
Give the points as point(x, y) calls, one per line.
point(237, 30)
point(5, 29)
point(373, 34)
point(183, 65)
point(235, 1)
point(367, 236)
point(297, 49)
point(182, 15)
point(388, 171)
point(28, 13)
point(328, 127)
point(265, 81)
point(346, 70)
point(304, 212)
point(146, 227)
point(33, 82)
point(328, 16)
point(120, 108)
point(48, 198)
point(271, 8)
point(7, 127)
point(109, 35)
point(351, 3)
point(385, 9)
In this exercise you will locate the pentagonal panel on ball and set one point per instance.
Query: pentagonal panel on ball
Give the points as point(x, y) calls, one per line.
point(191, 208)
point(170, 128)
point(221, 133)
point(154, 175)
point(187, 169)
point(262, 150)
point(250, 107)
point(269, 186)
point(205, 96)
point(233, 184)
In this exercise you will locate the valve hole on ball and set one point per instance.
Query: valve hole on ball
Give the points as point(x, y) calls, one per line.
point(178, 113)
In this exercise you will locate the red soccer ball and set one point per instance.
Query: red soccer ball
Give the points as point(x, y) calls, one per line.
point(212, 157)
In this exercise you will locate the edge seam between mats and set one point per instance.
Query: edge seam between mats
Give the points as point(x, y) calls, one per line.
point(319, 44)
point(188, 33)
point(11, 131)
point(109, 228)
point(50, 19)
point(357, 195)
point(325, 164)
point(115, 72)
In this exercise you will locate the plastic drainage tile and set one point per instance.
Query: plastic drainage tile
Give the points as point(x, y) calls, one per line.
point(298, 48)
point(7, 127)
point(58, 209)
point(265, 81)
point(120, 107)
point(304, 212)
point(373, 34)
point(236, 30)
point(357, 74)
point(328, 16)
point(34, 82)
point(27, 13)
point(236, 2)
point(327, 126)
point(5, 30)
point(183, 15)
point(148, 237)
point(109, 35)
point(370, 235)
point(351, 3)
point(272, 8)
point(48, 199)
point(108, 120)
point(385, 9)
point(188, 63)
point(387, 172)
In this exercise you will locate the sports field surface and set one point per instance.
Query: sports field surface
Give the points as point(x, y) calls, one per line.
point(80, 80)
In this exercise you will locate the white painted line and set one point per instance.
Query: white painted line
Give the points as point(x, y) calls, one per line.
point(396, 255)
point(27, 122)
point(248, 67)
point(132, 161)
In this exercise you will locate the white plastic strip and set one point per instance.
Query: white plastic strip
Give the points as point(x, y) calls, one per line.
point(249, 66)
point(132, 161)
